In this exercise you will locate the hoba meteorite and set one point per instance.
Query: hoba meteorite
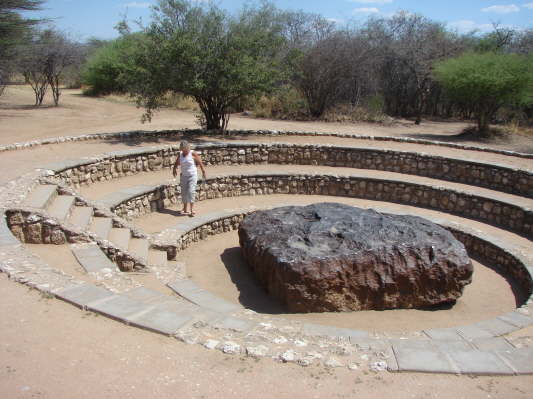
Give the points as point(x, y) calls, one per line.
point(333, 257)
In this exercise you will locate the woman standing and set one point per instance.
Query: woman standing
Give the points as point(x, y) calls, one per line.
point(188, 160)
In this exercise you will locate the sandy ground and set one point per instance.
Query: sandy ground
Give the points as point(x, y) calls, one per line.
point(216, 265)
point(76, 115)
point(49, 349)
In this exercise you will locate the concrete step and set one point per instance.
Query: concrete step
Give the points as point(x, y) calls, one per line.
point(41, 196)
point(190, 291)
point(60, 207)
point(91, 258)
point(120, 237)
point(81, 216)
point(138, 247)
point(101, 226)
point(157, 258)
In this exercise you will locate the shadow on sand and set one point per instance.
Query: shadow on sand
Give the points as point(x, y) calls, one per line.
point(193, 138)
point(251, 294)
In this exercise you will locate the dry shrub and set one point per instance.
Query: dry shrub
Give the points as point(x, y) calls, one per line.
point(179, 101)
point(286, 104)
point(349, 113)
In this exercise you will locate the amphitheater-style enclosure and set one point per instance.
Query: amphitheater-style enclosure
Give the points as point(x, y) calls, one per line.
point(144, 265)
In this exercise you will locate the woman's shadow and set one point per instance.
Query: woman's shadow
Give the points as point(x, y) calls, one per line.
point(251, 294)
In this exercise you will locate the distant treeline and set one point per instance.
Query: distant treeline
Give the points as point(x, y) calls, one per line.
point(288, 64)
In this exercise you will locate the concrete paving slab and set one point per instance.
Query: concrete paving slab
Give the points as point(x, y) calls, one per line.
point(138, 247)
point(431, 344)
point(521, 360)
point(83, 294)
point(480, 363)
point(117, 197)
point(120, 237)
point(471, 332)
point(159, 320)
point(492, 344)
point(92, 259)
point(496, 327)
point(186, 286)
point(119, 307)
point(329, 331)
point(447, 345)
point(41, 196)
point(516, 318)
point(423, 361)
point(6, 237)
point(175, 305)
point(143, 294)
point(60, 166)
point(81, 216)
point(101, 226)
point(190, 291)
point(61, 206)
point(157, 258)
point(450, 334)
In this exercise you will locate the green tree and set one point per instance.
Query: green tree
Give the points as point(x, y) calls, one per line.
point(107, 63)
point(13, 30)
point(486, 81)
point(201, 51)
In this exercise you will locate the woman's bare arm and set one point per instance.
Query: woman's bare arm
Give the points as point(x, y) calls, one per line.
point(176, 164)
point(199, 162)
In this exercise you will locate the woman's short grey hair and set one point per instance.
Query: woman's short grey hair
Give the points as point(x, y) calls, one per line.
point(185, 145)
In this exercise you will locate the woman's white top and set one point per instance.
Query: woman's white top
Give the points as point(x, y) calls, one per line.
point(187, 164)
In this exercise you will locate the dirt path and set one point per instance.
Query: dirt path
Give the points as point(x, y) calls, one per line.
point(77, 114)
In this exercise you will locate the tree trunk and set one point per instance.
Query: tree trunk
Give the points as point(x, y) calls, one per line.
point(215, 116)
point(54, 85)
point(483, 124)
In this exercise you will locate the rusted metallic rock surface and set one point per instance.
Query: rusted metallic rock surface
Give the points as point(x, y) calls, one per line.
point(333, 257)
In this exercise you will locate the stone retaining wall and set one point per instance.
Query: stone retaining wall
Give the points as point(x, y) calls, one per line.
point(493, 255)
point(34, 228)
point(488, 252)
point(125, 163)
point(154, 134)
point(504, 215)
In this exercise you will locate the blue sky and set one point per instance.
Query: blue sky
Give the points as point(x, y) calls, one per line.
point(96, 18)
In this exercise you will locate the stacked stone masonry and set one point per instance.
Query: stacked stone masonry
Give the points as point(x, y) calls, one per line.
point(513, 181)
point(505, 215)
point(29, 226)
point(505, 262)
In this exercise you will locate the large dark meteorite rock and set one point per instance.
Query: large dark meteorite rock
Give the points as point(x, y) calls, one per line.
point(333, 257)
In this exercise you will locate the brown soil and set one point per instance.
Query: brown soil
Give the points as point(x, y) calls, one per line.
point(52, 350)
point(78, 115)
point(49, 349)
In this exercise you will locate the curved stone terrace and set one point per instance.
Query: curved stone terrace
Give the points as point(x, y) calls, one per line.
point(127, 255)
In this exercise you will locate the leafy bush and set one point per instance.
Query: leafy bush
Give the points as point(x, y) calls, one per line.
point(105, 67)
point(484, 82)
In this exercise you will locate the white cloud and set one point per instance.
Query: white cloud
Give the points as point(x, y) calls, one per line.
point(505, 9)
point(366, 10)
point(136, 4)
point(465, 26)
point(336, 20)
point(372, 1)
point(528, 5)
